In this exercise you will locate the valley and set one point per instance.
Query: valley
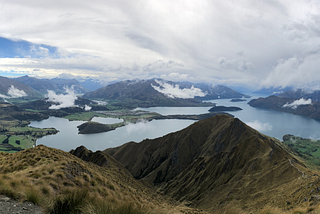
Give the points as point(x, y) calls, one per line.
point(213, 162)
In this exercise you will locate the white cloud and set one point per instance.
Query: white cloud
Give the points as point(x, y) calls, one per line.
point(87, 108)
point(260, 126)
point(139, 127)
point(174, 91)
point(232, 42)
point(297, 103)
point(16, 93)
point(64, 100)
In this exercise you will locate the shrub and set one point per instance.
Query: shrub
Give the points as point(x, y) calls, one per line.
point(71, 202)
point(33, 195)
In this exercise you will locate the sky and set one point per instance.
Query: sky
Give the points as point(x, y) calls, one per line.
point(248, 43)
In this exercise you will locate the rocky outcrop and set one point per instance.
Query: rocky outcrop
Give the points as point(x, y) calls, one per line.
point(87, 155)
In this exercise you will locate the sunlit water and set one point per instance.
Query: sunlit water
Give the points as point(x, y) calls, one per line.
point(272, 123)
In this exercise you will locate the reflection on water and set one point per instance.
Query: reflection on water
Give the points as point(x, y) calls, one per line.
point(68, 137)
point(272, 123)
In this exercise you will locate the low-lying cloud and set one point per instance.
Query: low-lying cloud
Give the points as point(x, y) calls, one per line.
point(297, 103)
point(257, 125)
point(13, 93)
point(16, 93)
point(64, 100)
point(174, 91)
point(139, 127)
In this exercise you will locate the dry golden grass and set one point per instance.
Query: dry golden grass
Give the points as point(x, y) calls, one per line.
point(56, 180)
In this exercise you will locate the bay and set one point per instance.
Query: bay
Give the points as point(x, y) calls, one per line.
point(68, 137)
point(271, 123)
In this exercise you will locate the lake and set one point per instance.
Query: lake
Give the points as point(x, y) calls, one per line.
point(68, 137)
point(272, 123)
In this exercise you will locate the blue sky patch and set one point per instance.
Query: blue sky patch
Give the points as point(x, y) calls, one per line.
point(22, 49)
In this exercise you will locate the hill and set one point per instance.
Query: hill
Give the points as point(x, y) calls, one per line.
point(57, 85)
point(219, 162)
point(155, 92)
point(300, 93)
point(218, 165)
point(306, 108)
point(62, 183)
point(13, 89)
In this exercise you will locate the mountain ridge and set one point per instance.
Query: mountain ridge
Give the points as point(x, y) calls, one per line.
point(155, 92)
point(214, 162)
point(6, 83)
point(57, 85)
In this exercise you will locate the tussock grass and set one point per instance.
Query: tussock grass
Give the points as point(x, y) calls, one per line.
point(33, 195)
point(63, 183)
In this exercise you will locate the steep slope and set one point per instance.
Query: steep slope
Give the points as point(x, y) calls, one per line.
point(216, 162)
point(63, 183)
point(6, 84)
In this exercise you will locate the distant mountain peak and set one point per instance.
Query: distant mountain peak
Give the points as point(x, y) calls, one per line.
point(158, 92)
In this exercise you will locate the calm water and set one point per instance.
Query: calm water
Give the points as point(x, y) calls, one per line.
point(272, 123)
point(68, 137)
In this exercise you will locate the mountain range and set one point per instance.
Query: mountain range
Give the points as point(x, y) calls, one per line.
point(12, 89)
point(57, 85)
point(157, 92)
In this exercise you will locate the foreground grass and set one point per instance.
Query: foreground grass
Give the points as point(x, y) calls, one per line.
point(62, 183)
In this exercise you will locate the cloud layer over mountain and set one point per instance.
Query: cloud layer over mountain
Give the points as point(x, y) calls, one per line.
point(64, 100)
point(297, 103)
point(14, 93)
point(174, 91)
point(239, 43)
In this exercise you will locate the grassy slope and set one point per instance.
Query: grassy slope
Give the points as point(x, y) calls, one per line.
point(306, 148)
point(51, 178)
point(221, 162)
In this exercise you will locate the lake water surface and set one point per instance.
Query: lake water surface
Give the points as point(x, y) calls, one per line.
point(272, 123)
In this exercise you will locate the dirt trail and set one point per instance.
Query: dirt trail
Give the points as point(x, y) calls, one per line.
point(10, 206)
point(303, 175)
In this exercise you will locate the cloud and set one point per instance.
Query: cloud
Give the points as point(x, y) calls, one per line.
point(260, 126)
point(298, 71)
point(14, 93)
point(140, 127)
point(174, 91)
point(230, 42)
point(297, 103)
point(64, 100)
point(87, 108)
